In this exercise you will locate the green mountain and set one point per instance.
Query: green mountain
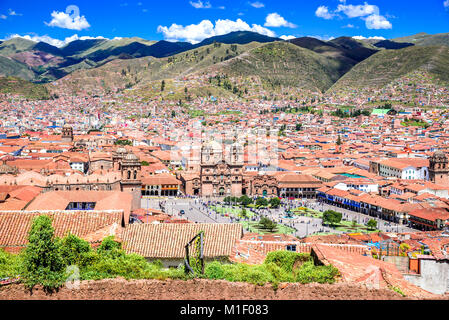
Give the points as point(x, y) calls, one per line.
point(344, 56)
point(424, 39)
point(388, 65)
point(238, 37)
point(392, 45)
point(245, 59)
point(15, 45)
point(138, 73)
point(283, 64)
point(356, 49)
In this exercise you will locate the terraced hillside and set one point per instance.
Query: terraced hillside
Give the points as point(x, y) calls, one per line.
point(388, 65)
point(139, 73)
point(23, 88)
point(280, 64)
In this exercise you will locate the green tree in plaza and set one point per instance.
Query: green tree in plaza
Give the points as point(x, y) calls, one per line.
point(372, 224)
point(43, 263)
point(332, 217)
point(261, 202)
point(244, 214)
point(298, 126)
point(267, 224)
point(275, 203)
point(245, 200)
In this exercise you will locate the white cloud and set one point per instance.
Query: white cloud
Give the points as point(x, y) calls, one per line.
point(275, 20)
point(65, 21)
point(368, 38)
point(195, 33)
point(2, 16)
point(323, 12)
point(201, 5)
point(358, 11)
point(284, 37)
point(367, 12)
point(323, 38)
point(54, 42)
point(259, 5)
point(446, 4)
point(377, 22)
point(349, 25)
point(13, 13)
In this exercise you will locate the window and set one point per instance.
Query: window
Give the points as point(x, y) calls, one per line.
point(291, 247)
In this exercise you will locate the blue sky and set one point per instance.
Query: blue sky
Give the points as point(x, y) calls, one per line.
point(61, 21)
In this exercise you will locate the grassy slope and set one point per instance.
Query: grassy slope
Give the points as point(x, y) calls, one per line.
point(285, 64)
point(14, 45)
point(388, 65)
point(424, 39)
point(24, 88)
point(10, 67)
point(103, 49)
point(143, 71)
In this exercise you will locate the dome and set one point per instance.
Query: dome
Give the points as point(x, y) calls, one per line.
point(131, 157)
point(439, 154)
point(121, 150)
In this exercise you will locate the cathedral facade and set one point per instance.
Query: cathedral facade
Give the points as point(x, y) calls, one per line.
point(221, 170)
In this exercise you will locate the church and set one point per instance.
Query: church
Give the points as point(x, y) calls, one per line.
point(219, 171)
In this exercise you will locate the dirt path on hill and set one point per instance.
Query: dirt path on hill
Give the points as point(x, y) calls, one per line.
point(121, 289)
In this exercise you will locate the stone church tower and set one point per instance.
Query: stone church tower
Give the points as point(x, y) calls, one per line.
point(67, 133)
point(439, 168)
point(130, 168)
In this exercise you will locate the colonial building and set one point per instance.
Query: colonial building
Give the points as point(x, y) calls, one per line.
point(221, 174)
point(160, 185)
point(221, 170)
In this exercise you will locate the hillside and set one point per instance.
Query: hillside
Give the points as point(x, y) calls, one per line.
point(425, 39)
point(11, 67)
point(357, 49)
point(251, 61)
point(345, 57)
point(282, 64)
point(24, 88)
point(97, 50)
point(238, 37)
point(15, 45)
point(388, 65)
